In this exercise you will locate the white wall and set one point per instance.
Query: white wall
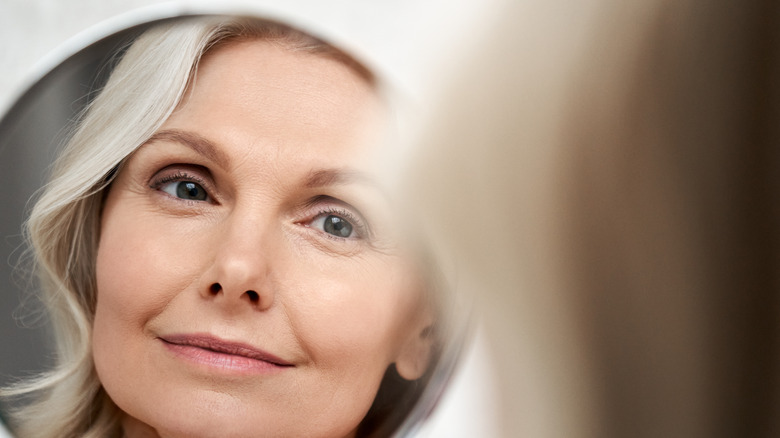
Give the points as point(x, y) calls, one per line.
point(406, 39)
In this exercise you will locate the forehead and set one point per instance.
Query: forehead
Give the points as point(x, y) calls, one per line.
point(273, 93)
point(295, 81)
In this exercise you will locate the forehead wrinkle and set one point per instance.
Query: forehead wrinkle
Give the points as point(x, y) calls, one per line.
point(197, 143)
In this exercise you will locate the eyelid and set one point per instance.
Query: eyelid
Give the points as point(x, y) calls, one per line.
point(358, 227)
point(326, 205)
point(180, 172)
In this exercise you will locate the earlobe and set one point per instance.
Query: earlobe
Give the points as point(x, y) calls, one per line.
point(415, 355)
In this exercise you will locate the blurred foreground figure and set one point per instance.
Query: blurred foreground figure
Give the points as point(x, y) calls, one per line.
point(605, 175)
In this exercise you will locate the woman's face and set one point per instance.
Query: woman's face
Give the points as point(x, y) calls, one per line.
point(248, 280)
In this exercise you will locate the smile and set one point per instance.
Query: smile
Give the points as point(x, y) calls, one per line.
point(222, 355)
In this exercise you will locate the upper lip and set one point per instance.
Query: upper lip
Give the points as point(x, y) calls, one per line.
point(209, 342)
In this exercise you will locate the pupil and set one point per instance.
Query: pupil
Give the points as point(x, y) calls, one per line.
point(337, 226)
point(191, 190)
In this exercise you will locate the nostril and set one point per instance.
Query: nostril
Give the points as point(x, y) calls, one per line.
point(215, 288)
point(253, 296)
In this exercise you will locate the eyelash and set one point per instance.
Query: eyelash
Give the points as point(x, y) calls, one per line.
point(360, 229)
point(179, 176)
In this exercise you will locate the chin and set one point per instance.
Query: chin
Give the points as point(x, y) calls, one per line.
point(220, 419)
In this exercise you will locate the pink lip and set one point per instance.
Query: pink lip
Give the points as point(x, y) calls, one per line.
point(214, 352)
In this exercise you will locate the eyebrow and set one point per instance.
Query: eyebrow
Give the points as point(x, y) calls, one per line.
point(332, 177)
point(199, 144)
point(337, 176)
point(315, 179)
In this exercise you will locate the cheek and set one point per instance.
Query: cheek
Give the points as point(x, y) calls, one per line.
point(358, 315)
point(139, 270)
point(129, 270)
point(352, 323)
point(143, 260)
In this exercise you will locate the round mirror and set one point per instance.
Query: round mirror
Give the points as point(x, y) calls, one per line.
point(215, 234)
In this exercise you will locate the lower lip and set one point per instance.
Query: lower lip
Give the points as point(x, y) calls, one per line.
point(223, 362)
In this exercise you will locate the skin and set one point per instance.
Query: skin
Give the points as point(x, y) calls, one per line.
point(289, 139)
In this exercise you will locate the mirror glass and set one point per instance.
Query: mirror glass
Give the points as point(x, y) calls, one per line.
point(352, 309)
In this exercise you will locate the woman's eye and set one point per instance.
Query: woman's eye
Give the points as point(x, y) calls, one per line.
point(334, 225)
point(188, 190)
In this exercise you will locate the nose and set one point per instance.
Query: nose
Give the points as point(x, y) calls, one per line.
point(239, 276)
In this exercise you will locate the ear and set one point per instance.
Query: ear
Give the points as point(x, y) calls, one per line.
point(415, 354)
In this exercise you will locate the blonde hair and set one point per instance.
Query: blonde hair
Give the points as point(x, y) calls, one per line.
point(612, 168)
point(64, 226)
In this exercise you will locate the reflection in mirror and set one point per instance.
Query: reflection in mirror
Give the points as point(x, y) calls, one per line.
point(214, 238)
